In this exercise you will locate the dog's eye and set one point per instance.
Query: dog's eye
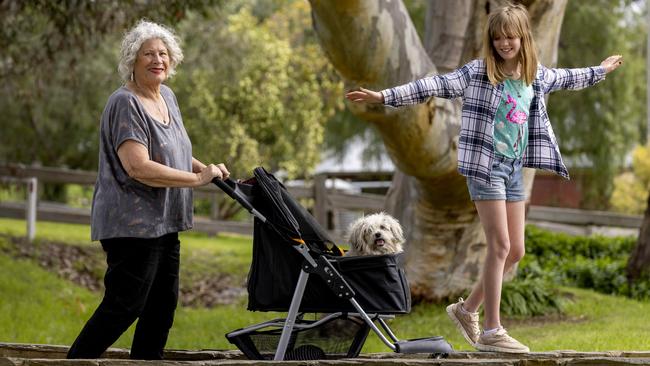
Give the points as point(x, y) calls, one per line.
point(382, 227)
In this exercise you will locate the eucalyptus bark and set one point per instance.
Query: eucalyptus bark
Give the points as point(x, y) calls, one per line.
point(372, 43)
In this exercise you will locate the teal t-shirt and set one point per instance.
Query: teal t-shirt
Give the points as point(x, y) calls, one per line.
point(511, 122)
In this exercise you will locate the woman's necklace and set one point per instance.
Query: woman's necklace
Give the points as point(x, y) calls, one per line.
point(156, 100)
point(160, 110)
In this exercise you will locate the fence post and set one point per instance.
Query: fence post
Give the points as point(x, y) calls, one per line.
point(214, 207)
point(320, 199)
point(30, 209)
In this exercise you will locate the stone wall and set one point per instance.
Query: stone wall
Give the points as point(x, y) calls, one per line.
point(15, 354)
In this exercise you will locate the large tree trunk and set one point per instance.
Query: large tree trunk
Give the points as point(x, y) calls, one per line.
point(639, 263)
point(373, 44)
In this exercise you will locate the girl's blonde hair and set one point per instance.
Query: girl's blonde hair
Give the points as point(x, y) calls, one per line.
point(510, 21)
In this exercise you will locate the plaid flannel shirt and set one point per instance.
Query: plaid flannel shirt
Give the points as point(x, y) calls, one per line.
point(480, 102)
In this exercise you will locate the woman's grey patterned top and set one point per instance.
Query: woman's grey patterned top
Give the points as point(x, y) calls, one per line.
point(122, 206)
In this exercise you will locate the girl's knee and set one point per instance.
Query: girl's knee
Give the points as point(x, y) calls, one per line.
point(515, 254)
point(500, 248)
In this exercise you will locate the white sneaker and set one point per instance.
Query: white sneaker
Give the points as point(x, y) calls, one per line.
point(500, 341)
point(466, 322)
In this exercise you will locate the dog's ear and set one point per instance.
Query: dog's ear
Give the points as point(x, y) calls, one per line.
point(396, 229)
point(355, 234)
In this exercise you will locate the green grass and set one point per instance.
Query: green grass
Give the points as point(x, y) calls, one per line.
point(69, 233)
point(592, 322)
point(222, 254)
point(38, 307)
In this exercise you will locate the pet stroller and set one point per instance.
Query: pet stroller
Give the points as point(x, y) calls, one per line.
point(290, 248)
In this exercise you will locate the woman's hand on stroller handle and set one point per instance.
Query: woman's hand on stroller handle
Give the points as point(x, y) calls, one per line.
point(211, 172)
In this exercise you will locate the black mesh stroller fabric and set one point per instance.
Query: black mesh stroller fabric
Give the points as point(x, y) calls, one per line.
point(379, 281)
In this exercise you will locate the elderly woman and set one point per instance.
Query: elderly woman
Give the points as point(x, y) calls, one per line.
point(142, 199)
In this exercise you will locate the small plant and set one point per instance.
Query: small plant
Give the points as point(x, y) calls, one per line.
point(530, 296)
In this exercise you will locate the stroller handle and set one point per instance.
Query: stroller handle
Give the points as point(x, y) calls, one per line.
point(227, 186)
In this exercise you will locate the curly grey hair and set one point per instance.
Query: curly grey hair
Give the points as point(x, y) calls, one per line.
point(139, 34)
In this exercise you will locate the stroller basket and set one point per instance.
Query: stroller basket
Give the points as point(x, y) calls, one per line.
point(336, 336)
point(379, 281)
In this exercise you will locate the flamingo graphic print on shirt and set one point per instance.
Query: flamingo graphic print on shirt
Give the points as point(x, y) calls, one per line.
point(511, 122)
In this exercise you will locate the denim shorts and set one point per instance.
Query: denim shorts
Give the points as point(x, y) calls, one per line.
point(506, 182)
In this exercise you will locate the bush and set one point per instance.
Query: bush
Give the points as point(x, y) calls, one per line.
point(631, 188)
point(596, 262)
point(551, 247)
point(529, 296)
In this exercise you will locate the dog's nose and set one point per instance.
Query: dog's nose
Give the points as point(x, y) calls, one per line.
point(377, 235)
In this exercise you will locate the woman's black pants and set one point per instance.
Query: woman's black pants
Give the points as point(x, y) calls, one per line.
point(141, 283)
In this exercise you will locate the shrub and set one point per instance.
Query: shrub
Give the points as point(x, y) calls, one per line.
point(631, 188)
point(596, 262)
point(531, 296)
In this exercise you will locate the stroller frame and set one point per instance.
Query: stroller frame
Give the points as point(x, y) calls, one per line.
point(318, 264)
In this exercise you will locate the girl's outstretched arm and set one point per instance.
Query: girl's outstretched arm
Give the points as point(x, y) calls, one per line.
point(451, 85)
point(557, 79)
point(365, 96)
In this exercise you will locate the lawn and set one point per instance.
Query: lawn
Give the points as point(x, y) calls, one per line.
point(38, 307)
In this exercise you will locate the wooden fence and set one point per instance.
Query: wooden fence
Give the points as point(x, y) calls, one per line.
point(327, 204)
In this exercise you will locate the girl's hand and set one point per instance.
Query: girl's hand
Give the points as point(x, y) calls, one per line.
point(365, 96)
point(612, 63)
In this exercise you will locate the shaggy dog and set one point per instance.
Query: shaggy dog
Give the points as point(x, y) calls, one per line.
point(375, 234)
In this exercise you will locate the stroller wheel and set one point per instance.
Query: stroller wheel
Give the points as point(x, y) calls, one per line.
point(305, 352)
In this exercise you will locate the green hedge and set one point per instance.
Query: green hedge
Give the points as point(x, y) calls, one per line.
point(595, 262)
point(554, 259)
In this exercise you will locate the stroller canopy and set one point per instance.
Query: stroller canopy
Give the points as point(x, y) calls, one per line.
point(288, 217)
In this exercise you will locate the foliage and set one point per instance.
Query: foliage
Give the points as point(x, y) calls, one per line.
point(598, 126)
point(597, 263)
point(269, 76)
point(555, 247)
point(531, 296)
point(344, 130)
point(57, 70)
point(417, 10)
point(260, 93)
point(254, 89)
point(631, 188)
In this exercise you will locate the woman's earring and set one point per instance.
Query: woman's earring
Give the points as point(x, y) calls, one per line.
point(132, 75)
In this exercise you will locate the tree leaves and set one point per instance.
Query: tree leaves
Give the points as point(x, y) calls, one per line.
point(596, 127)
point(260, 94)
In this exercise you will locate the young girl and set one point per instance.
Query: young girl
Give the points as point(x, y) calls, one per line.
point(504, 127)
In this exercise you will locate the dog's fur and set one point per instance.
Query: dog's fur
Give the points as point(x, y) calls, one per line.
point(375, 234)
